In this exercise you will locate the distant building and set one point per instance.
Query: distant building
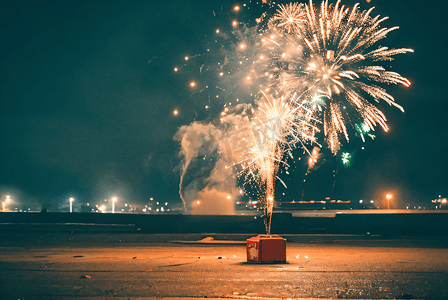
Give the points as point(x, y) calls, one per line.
point(311, 205)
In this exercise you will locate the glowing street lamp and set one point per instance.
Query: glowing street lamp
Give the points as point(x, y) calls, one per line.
point(71, 203)
point(441, 200)
point(388, 196)
point(113, 204)
point(7, 200)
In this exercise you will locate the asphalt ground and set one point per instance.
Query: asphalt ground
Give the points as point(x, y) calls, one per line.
point(103, 265)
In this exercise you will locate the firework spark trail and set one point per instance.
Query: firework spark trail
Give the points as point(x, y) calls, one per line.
point(279, 126)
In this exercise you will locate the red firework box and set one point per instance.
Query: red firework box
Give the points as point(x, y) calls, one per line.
point(266, 248)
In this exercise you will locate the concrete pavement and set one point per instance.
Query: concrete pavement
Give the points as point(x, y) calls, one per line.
point(54, 266)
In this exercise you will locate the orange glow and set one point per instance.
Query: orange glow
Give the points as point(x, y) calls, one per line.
point(388, 196)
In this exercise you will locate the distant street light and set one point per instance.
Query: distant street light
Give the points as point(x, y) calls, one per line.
point(7, 200)
point(71, 204)
point(388, 196)
point(113, 204)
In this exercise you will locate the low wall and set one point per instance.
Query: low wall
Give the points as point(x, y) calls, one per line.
point(345, 223)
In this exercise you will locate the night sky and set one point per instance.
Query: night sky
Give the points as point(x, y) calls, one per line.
point(87, 91)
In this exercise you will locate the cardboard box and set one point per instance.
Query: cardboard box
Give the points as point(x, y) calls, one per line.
point(266, 248)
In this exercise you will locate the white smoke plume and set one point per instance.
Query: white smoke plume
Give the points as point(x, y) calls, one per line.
point(207, 186)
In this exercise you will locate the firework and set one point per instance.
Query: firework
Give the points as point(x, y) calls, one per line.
point(291, 17)
point(324, 52)
point(327, 57)
point(308, 69)
point(339, 62)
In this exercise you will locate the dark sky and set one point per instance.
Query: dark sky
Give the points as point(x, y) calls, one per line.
point(83, 113)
